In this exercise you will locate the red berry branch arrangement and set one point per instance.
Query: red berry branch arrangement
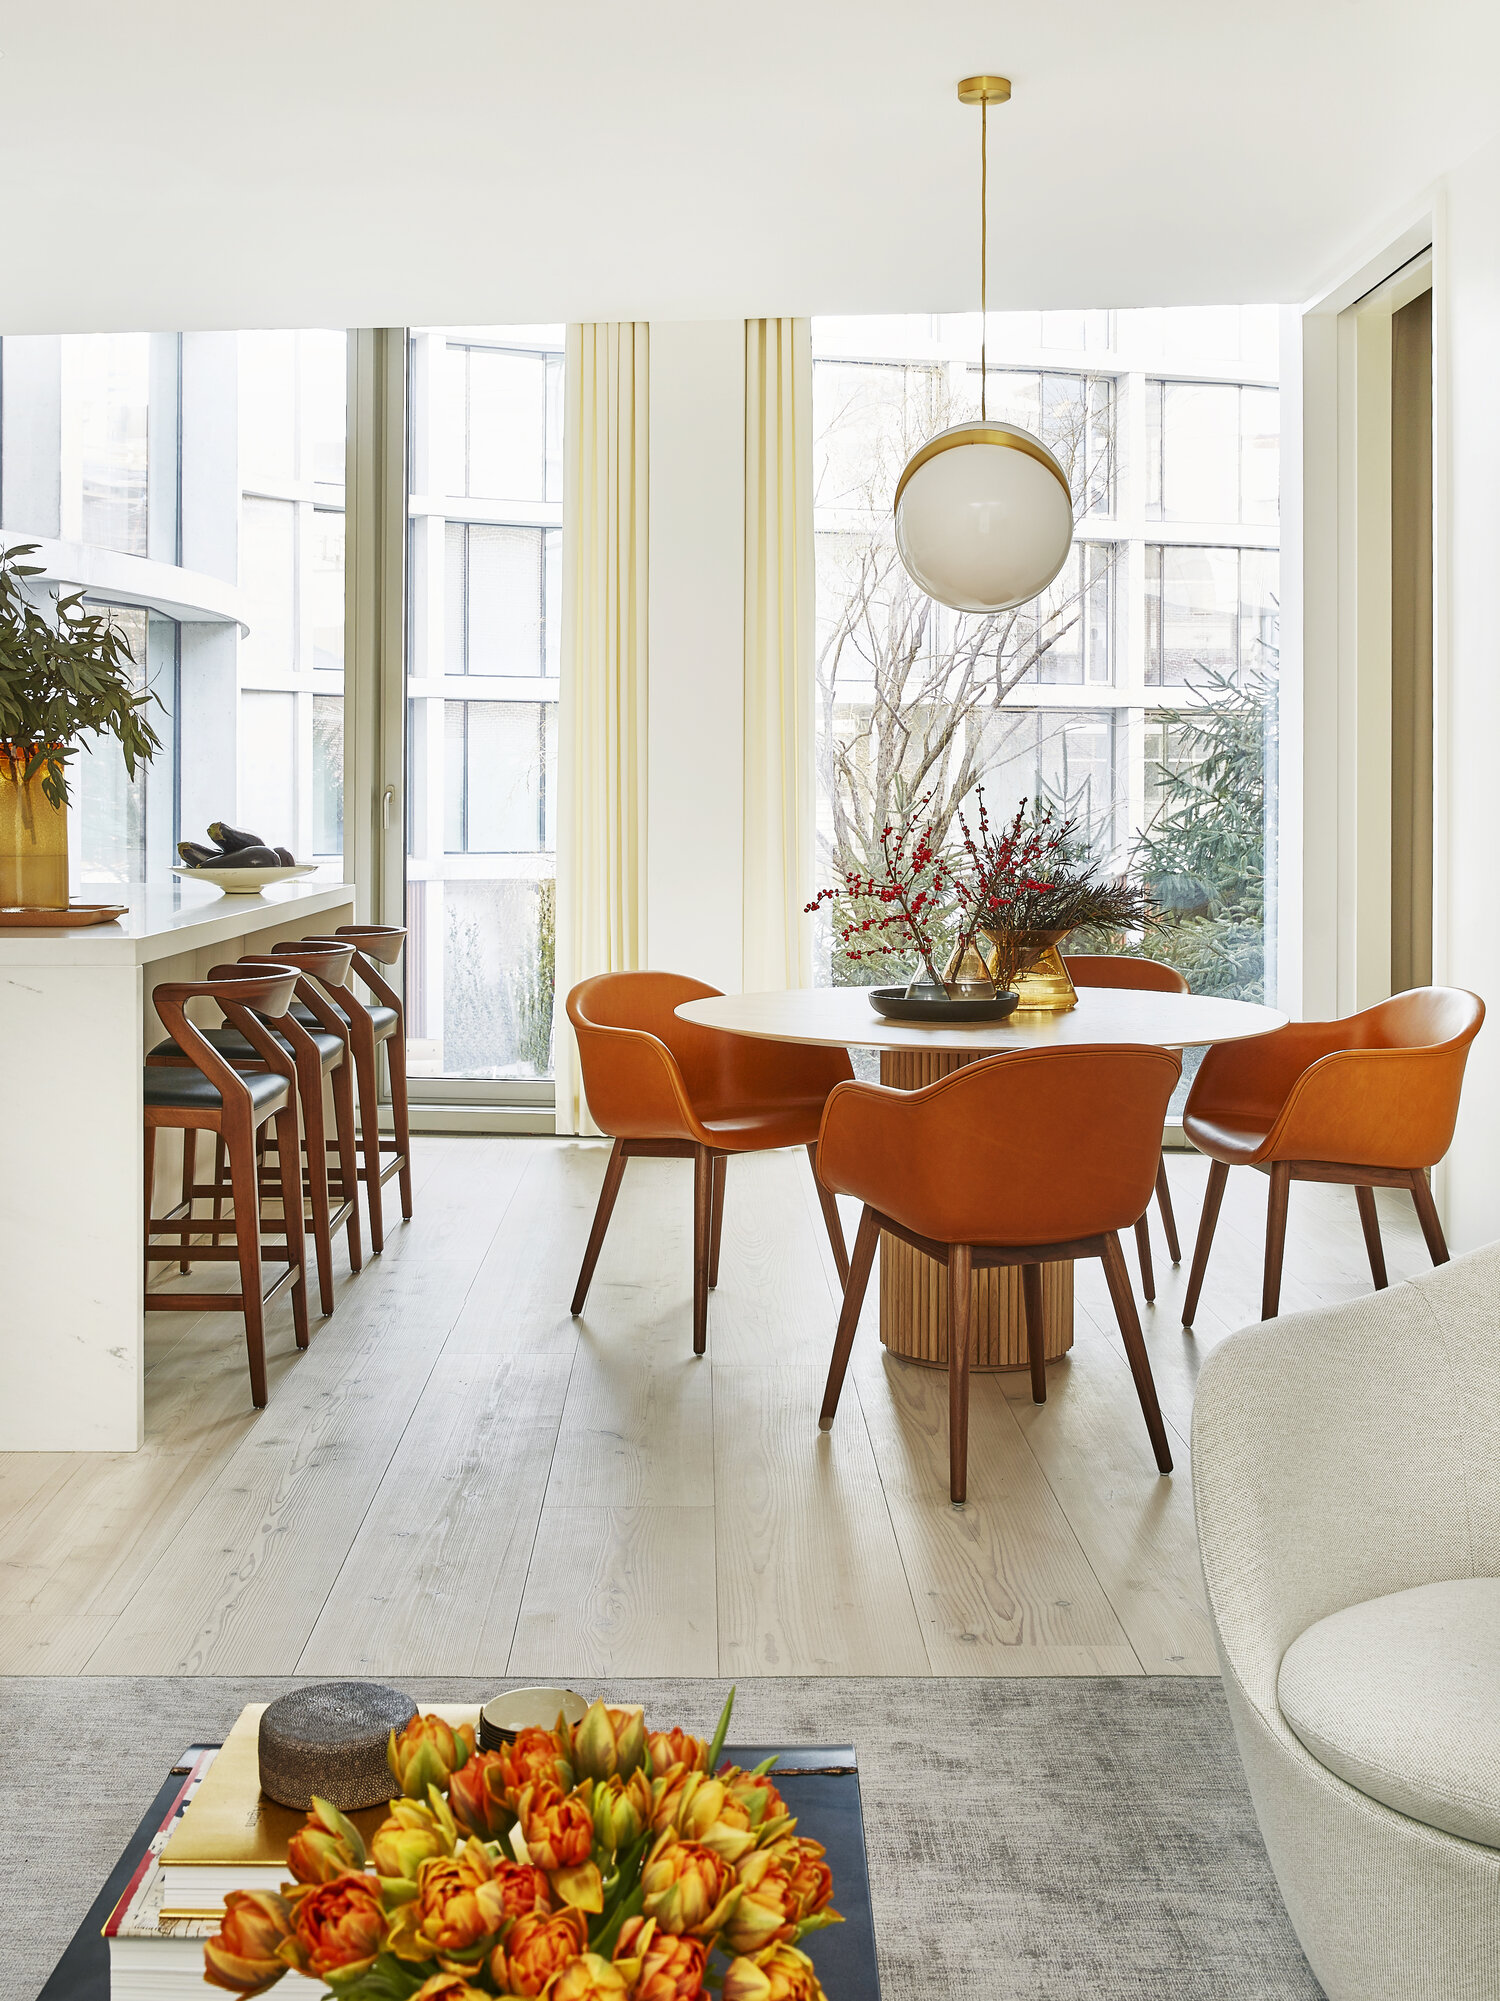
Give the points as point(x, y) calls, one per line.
point(898, 909)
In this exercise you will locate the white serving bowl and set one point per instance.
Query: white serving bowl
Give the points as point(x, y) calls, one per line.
point(242, 881)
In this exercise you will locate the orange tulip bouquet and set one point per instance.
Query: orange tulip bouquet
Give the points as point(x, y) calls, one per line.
point(605, 1862)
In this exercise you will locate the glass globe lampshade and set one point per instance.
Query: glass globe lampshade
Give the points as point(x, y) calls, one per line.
point(984, 517)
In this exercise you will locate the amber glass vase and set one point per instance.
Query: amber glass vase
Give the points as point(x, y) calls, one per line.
point(33, 842)
point(1033, 965)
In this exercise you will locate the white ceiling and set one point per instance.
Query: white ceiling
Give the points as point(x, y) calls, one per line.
point(195, 163)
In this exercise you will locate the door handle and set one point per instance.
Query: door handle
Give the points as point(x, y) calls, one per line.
point(387, 800)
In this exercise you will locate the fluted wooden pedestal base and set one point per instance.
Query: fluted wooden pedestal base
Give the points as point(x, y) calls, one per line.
point(914, 1290)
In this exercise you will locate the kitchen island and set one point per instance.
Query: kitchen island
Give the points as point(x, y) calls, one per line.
point(75, 1021)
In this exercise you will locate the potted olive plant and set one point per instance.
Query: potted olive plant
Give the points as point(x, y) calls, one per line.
point(63, 677)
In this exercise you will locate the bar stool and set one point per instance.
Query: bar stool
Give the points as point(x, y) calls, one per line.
point(317, 1052)
point(205, 1093)
point(370, 1024)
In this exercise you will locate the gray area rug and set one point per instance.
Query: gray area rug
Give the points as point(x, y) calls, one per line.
point(1030, 1840)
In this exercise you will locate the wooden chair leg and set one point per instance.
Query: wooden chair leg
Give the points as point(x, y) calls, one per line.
point(366, 1077)
point(1143, 1252)
point(1164, 1204)
point(310, 1099)
point(189, 1167)
point(703, 1202)
point(221, 1169)
point(1276, 1201)
point(1213, 1195)
point(239, 1144)
point(1036, 1335)
point(149, 1179)
point(1427, 1216)
point(289, 1164)
point(395, 1070)
point(828, 1202)
point(614, 1174)
point(1369, 1222)
point(1135, 1350)
point(960, 1301)
point(344, 1132)
point(716, 1219)
point(866, 1241)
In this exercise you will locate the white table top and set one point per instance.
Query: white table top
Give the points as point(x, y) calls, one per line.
point(842, 1016)
point(165, 918)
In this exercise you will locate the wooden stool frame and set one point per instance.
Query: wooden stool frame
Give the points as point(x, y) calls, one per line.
point(237, 1123)
point(369, 942)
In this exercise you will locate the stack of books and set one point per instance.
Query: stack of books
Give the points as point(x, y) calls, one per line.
point(221, 1834)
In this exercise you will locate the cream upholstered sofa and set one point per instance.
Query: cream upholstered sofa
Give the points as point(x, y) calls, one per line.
point(1346, 1469)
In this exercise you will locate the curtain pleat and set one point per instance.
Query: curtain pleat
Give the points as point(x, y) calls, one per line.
point(601, 806)
point(779, 811)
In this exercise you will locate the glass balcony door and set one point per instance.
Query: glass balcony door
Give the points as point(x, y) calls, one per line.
point(484, 587)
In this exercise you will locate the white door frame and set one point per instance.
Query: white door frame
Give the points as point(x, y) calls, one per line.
point(1345, 581)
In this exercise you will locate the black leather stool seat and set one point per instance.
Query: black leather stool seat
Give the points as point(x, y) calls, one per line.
point(237, 1048)
point(382, 1018)
point(182, 1088)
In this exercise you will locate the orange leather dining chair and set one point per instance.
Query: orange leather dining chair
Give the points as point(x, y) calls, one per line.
point(941, 1168)
point(660, 1085)
point(1370, 1100)
point(1107, 969)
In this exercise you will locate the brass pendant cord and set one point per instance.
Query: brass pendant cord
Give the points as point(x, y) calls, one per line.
point(984, 244)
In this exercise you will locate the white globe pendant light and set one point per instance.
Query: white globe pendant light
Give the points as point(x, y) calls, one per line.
point(984, 514)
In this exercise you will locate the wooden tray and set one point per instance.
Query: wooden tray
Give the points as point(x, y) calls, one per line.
point(20, 916)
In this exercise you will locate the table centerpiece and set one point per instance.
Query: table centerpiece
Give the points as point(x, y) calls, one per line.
point(596, 1862)
point(906, 909)
point(1026, 887)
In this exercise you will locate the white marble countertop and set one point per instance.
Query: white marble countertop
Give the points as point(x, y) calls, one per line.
point(164, 919)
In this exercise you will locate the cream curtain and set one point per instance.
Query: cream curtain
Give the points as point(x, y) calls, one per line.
point(601, 807)
point(779, 644)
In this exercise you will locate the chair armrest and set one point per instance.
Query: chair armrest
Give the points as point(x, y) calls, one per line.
point(1255, 1076)
point(1372, 1107)
point(1329, 1460)
point(755, 1070)
point(633, 1085)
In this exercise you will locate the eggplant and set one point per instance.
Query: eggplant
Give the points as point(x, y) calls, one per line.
point(256, 857)
point(286, 858)
point(197, 856)
point(232, 838)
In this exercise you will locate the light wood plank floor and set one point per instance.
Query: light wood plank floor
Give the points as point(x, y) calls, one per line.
point(458, 1478)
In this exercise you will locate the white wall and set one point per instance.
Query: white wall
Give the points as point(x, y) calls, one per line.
point(696, 728)
point(1467, 302)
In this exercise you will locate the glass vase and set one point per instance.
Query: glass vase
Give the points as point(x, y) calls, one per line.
point(33, 842)
point(966, 976)
point(1040, 976)
point(924, 985)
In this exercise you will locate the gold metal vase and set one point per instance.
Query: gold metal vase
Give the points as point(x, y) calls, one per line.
point(33, 842)
point(1039, 977)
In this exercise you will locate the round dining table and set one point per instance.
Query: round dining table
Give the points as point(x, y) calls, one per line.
point(913, 1303)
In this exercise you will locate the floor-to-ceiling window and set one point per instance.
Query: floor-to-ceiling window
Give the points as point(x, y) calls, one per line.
point(484, 585)
point(1138, 695)
point(193, 484)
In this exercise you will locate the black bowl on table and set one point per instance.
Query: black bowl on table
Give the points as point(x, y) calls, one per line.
point(897, 1005)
